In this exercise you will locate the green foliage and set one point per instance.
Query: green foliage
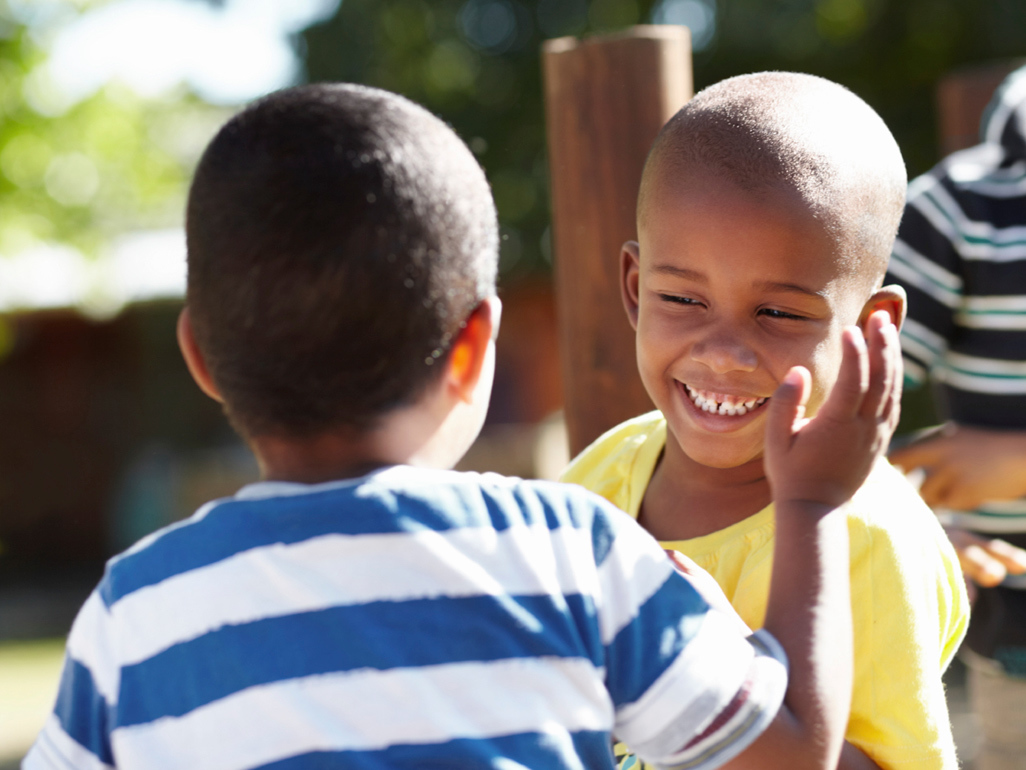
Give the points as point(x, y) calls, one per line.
point(79, 174)
point(478, 66)
point(469, 63)
point(890, 52)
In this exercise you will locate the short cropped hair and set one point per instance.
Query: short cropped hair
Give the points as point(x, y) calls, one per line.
point(800, 132)
point(338, 237)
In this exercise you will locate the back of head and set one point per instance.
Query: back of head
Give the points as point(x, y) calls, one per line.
point(337, 238)
point(784, 130)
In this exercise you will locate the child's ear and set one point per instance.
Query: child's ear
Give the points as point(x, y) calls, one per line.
point(194, 360)
point(630, 270)
point(890, 298)
point(470, 351)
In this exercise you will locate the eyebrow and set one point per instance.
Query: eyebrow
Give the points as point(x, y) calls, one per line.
point(790, 288)
point(680, 272)
point(780, 286)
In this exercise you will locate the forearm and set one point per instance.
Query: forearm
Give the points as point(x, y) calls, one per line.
point(809, 614)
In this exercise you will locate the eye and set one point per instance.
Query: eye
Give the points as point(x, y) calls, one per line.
point(773, 313)
point(676, 299)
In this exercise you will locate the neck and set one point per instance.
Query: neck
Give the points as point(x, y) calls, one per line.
point(410, 436)
point(322, 458)
point(685, 499)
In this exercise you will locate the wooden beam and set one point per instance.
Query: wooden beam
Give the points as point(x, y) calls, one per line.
point(606, 99)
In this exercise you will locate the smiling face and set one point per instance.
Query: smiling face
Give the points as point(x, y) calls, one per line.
point(727, 291)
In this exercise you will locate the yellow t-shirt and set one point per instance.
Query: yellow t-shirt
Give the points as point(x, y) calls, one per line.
point(909, 603)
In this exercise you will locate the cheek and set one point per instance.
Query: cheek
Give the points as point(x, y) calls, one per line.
point(657, 343)
point(824, 365)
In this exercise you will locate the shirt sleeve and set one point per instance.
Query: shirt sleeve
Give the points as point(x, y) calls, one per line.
point(77, 736)
point(927, 263)
point(687, 687)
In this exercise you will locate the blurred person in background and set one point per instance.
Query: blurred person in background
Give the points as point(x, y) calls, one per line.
point(961, 256)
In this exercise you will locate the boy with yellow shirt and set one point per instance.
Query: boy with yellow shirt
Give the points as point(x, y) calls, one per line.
point(766, 214)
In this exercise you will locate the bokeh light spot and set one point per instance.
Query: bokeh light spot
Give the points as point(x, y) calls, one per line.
point(490, 25)
point(72, 179)
point(699, 16)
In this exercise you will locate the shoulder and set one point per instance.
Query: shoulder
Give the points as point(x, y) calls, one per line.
point(473, 499)
point(892, 530)
point(887, 505)
point(620, 459)
point(899, 547)
point(172, 549)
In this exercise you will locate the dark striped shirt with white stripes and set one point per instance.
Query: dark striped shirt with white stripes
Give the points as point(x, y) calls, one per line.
point(961, 256)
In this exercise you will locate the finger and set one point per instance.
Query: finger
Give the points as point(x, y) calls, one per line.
point(962, 495)
point(921, 448)
point(846, 396)
point(786, 408)
point(980, 566)
point(881, 366)
point(975, 558)
point(1013, 558)
point(919, 454)
point(682, 562)
point(935, 487)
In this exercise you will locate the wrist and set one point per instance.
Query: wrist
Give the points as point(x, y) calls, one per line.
point(804, 508)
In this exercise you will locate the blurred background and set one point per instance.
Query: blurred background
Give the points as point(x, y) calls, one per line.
point(105, 107)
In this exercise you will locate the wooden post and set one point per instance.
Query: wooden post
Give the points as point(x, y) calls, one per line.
point(606, 99)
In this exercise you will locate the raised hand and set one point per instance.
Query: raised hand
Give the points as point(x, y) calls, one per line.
point(826, 459)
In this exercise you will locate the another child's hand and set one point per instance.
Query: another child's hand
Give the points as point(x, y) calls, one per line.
point(986, 561)
point(966, 466)
point(826, 459)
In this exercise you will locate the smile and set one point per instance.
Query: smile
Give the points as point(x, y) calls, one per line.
point(722, 403)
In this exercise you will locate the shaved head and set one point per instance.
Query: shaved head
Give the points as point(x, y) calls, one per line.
point(783, 131)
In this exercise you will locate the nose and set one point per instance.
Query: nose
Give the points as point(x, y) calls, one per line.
point(724, 353)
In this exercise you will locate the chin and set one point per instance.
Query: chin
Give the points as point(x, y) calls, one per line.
point(721, 454)
point(722, 461)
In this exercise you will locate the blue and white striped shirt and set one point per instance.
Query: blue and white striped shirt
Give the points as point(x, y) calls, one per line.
point(410, 618)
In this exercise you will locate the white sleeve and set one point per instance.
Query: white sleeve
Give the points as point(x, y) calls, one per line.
point(688, 688)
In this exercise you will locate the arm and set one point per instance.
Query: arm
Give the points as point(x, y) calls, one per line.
point(77, 734)
point(851, 757)
point(813, 469)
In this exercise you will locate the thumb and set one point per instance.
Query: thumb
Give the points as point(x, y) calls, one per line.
point(786, 408)
point(918, 455)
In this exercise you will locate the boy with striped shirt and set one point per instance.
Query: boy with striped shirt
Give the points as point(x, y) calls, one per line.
point(364, 607)
point(961, 256)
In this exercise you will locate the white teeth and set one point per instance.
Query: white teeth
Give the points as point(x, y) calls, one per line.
point(727, 407)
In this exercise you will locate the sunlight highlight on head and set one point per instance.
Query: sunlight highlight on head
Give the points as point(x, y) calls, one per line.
point(792, 132)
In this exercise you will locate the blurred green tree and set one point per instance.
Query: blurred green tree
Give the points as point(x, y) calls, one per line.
point(476, 63)
point(76, 174)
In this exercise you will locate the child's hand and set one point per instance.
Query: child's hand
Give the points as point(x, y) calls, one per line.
point(826, 459)
point(986, 561)
point(966, 466)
